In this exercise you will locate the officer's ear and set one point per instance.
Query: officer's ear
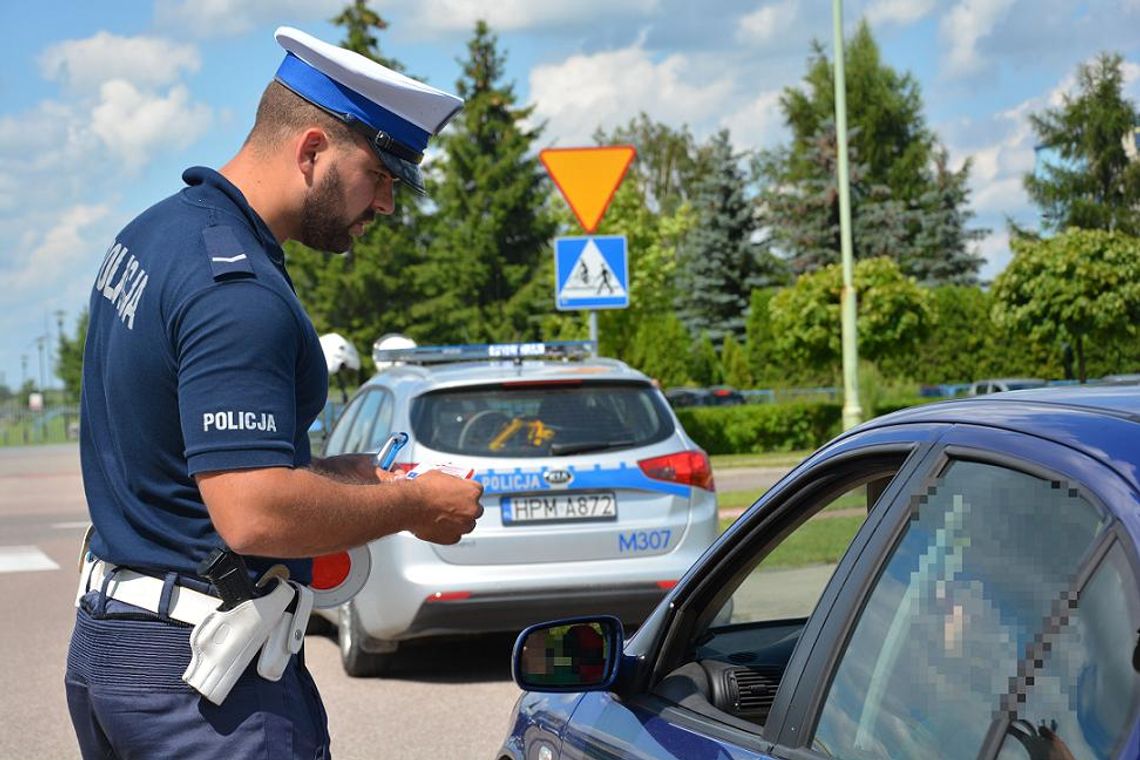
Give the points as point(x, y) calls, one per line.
point(312, 143)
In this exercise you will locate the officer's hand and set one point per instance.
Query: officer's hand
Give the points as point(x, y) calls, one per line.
point(447, 507)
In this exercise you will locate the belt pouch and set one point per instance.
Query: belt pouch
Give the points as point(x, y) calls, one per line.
point(222, 645)
point(287, 636)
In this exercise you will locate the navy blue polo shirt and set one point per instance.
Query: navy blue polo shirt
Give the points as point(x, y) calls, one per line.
point(199, 358)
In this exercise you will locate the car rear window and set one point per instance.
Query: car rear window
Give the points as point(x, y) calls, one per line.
point(540, 419)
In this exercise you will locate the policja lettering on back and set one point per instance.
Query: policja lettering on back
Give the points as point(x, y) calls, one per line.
point(125, 299)
point(158, 667)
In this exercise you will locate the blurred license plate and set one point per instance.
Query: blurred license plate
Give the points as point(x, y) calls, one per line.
point(577, 507)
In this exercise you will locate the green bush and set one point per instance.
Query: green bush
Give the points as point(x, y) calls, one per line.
point(752, 429)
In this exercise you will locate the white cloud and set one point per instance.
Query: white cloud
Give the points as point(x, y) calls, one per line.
point(135, 124)
point(226, 18)
point(65, 161)
point(608, 89)
point(1131, 74)
point(1006, 193)
point(759, 124)
point(82, 65)
point(768, 22)
point(513, 15)
point(995, 250)
point(57, 253)
point(900, 12)
point(964, 26)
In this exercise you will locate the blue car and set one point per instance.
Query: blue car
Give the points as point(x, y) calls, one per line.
point(985, 604)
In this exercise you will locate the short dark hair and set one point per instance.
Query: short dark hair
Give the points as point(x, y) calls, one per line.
point(282, 113)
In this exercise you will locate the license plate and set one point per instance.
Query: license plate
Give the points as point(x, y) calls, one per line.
point(576, 507)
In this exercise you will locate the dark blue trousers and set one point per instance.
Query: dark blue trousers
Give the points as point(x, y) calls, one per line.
point(127, 698)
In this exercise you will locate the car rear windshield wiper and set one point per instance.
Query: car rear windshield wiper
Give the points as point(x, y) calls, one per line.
point(559, 449)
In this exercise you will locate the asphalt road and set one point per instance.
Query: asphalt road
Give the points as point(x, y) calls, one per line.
point(450, 700)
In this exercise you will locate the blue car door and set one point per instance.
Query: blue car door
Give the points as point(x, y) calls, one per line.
point(720, 615)
point(603, 727)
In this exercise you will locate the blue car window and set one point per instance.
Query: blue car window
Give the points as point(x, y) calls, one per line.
point(382, 426)
point(789, 581)
point(986, 560)
point(1081, 700)
point(336, 442)
point(360, 433)
point(540, 419)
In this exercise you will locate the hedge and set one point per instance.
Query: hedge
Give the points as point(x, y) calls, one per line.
point(756, 428)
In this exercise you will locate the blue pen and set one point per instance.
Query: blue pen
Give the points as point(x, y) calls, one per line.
point(386, 456)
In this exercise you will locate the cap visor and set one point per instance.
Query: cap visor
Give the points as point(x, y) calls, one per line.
point(408, 173)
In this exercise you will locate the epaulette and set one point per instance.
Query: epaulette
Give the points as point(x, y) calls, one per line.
point(227, 257)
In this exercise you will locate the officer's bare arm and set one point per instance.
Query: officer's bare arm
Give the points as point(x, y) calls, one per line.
point(282, 512)
point(350, 468)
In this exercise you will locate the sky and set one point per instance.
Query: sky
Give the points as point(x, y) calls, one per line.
point(103, 104)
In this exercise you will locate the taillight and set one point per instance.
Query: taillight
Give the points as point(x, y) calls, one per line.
point(689, 467)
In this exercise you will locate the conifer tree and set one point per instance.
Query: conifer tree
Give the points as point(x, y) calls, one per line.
point(493, 232)
point(653, 350)
point(720, 263)
point(1094, 184)
point(735, 363)
point(906, 202)
point(759, 343)
point(704, 364)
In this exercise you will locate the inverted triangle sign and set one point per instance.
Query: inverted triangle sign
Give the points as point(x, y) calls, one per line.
point(588, 178)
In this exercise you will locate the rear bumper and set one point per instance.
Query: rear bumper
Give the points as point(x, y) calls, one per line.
point(498, 612)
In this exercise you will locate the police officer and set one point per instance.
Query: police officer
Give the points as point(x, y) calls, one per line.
point(202, 374)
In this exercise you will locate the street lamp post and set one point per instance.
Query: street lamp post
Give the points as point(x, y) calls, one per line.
point(852, 412)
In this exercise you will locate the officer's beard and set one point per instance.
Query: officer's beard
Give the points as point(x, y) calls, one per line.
point(323, 226)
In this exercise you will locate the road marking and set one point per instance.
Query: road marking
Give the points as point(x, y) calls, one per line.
point(20, 559)
point(71, 525)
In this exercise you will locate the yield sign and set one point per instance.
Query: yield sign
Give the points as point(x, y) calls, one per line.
point(588, 178)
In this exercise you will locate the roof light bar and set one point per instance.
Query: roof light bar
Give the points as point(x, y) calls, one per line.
point(566, 350)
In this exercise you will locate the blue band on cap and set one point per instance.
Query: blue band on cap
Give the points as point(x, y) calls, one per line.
point(327, 93)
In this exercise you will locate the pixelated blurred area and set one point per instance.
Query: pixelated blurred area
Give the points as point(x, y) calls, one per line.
point(566, 655)
point(981, 628)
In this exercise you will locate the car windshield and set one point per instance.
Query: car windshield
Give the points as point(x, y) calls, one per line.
point(539, 419)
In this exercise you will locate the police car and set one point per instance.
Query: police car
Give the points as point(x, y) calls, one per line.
point(595, 498)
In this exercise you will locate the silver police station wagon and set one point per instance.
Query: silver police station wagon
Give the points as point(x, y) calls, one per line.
point(595, 498)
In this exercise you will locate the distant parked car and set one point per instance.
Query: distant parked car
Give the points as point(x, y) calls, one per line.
point(1132, 378)
point(682, 397)
point(722, 395)
point(1001, 384)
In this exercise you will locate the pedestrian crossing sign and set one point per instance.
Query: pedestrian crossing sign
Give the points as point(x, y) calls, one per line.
point(591, 273)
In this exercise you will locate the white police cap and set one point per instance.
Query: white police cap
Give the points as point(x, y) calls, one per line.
point(395, 113)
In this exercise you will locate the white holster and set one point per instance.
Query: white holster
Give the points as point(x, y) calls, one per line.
point(223, 643)
point(287, 636)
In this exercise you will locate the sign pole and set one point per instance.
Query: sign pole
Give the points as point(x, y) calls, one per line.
point(852, 412)
point(594, 332)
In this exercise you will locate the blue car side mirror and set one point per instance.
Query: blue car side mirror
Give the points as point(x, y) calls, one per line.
point(573, 654)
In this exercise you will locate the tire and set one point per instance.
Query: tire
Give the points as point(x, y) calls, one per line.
point(318, 626)
point(351, 639)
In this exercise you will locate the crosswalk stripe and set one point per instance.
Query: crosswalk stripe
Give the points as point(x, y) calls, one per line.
point(19, 559)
